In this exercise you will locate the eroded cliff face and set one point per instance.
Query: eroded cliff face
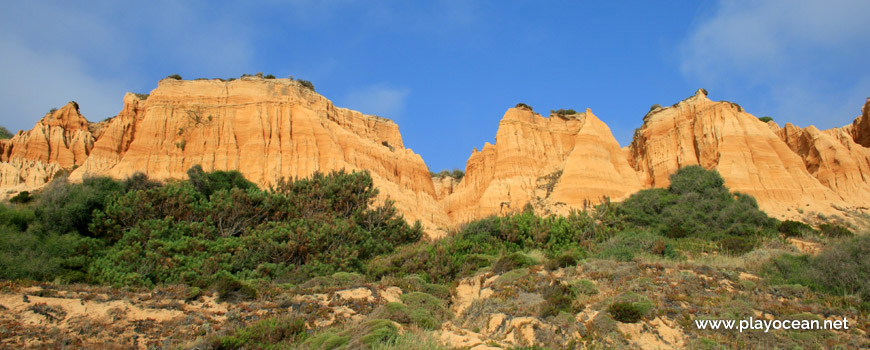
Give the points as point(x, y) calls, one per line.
point(562, 163)
point(60, 140)
point(859, 130)
point(747, 153)
point(834, 159)
point(267, 129)
point(554, 164)
point(274, 128)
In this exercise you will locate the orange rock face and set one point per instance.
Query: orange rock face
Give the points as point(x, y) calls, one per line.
point(747, 153)
point(274, 128)
point(552, 163)
point(61, 140)
point(860, 128)
point(267, 129)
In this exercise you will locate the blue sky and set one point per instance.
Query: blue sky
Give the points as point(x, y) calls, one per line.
point(446, 71)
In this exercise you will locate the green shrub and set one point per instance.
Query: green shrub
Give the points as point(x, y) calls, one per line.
point(654, 107)
point(66, 207)
point(326, 341)
point(428, 302)
point(403, 314)
point(338, 280)
point(564, 259)
point(22, 197)
point(231, 289)
point(298, 230)
point(455, 174)
point(472, 246)
point(840, 269)
point(585, 287)
point(523, 105)
point(512, 261)
point(765, 119)
point(4, 133)
point(790, 228)
point(625, 312)
point(563, 112)
point(269, 76)
point(835, 230)
point(737, 245)
point(263, 335)
point(174, 76)
point(208, 183)
point(559, 297)
point(306, 84)
point(697, 204)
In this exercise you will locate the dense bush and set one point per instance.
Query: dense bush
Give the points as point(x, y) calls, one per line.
point(835, 230)
point(480, 243)
point(838, 270)
point(4, 133)
point(790, 228)
point(625, 312)
point(298, 230)
point(22, 197)
point(765, 119)
point(563, 112)
point(262, 335)
point(215, 229)
point(523, 105)
point(174, 76)
point(697, 204)
point(66, 207)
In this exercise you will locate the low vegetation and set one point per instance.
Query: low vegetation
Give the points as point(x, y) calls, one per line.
point(655, 255)
point(563, 112)
point(456, 174)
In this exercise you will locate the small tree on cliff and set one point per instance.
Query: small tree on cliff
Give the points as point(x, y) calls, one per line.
point(4, 133)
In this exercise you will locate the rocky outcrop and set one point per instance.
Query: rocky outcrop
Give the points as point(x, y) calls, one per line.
point(60, 140)
point(834, 159)
point(859, 130)
point(276, 128)
point(721, 135)
point(551, 163)
point(266, 128)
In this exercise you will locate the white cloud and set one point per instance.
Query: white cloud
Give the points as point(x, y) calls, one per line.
point(801, 58)
point(34, 82)
point(54, 52)
point(380, 100)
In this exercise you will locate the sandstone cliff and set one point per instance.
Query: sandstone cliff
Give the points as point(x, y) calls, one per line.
point(274, 128)
point(859, 130)
point(60, 140)
point(721, 135)
point(552, 163)
point(834, 158)
point(267, 129)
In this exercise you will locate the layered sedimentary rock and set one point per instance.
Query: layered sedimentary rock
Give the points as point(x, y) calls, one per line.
point(721, 135)
point(834, 159)
point(275, 128)
point(60, 140)
point(859, 130)
point(267, 129)
point(551, 163)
